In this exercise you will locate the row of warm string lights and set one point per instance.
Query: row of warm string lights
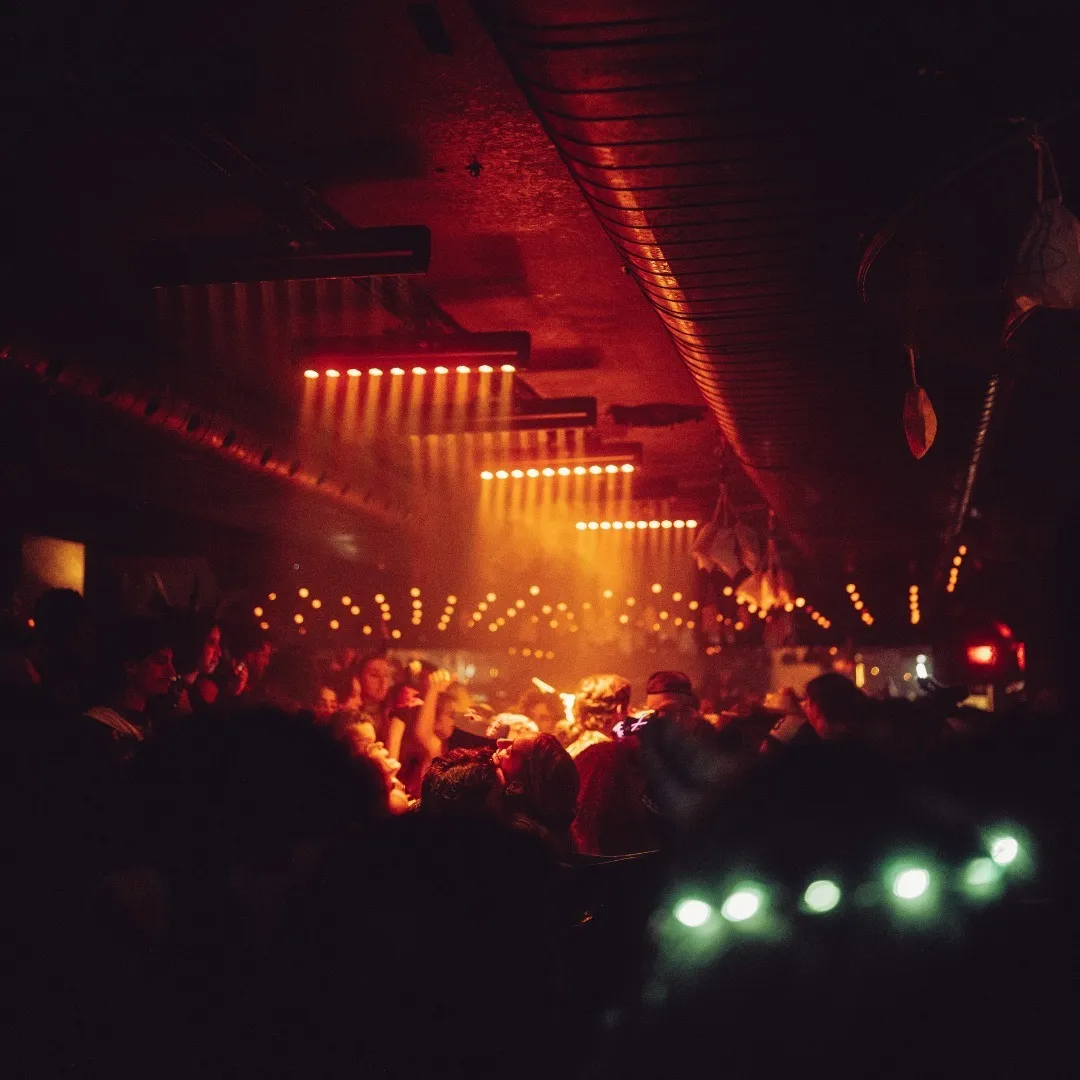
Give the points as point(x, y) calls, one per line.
point(913, 605)
point(859, 604)
point(562, 470)
point(954, 570)
point(461, 369)
point(618, 526)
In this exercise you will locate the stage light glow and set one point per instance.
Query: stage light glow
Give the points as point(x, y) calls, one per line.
point(485, 475)
point(629, 525)
point(508, 369)
point(605, 525)
point(800, 601)
point(534, 590)
point(611, 468)
point(264, 626)
point(579, 470)
point(549, 472)
point(397, 371)
point(691, 523)
point(658, 588)
point(485, 369)
point(258, 613)
point(982, 654)
point(272, 596)
point(464, 369)
point(582, 526)
point(334, 624)
point(564, 471)
point(821, 896)
point(676, 596)
point(303, 593)
point(728, 590)
point(517, 474)
point(546, 609)
point(353, 372)
point(311, 373)
point(440, 370)
point(911, 884)
point(678, 523)
point(366, 629)
point(692, 912)
point(624, 618)
point(628, 468)
point(374, 371)
point(595, 470)
point(654, 524)
point(962, 549)
point(980, 873)
point(502, 474)
point(532, 474)
point(333, 373)
point(355, 609)
point(594, 525)
point(1004, 850)
point(617, 525)
point(608, 594)
point(395, 634)
point(298, 618)
point(316, 604)
point(419, 371)
point(741, 905)
point(642, 524)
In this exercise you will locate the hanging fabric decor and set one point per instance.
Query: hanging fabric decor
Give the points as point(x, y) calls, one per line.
point(1047, 269)
point(727, 544)
point(770, 588)
point(920, 420)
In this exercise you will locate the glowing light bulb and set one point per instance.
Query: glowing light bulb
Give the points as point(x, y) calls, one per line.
point(579, 470)
point(397, 371)
point(595, 470)
point(316, 604)
point(395, 634)
point(353, 372)
point(333, 373)
point(581, 526)
point(629, 525)
point(676, 596)
point(508, 369)
point(962, 550)
point(606, 525)
point(624, 618)
point(564, 471)
point(419, 371)
point(611, 468)
point(821, 896)
point(485, 475)
point(303, 594)
point(665, 524)
point(980, 872)
point(741, 905)
point(298, 618)
point(485, 369)
point(692, 912)
point(258, 613)
point(440, 370)
point(608, 594)
point(502, 474)
point(334, 624)
point(691, 523)
point(654, 524)
point(375, 371)
point(311, 373)
point(366, 629)
point(517, 474)
point(627, 468)
point(657, 588)
point(1004, 850)
point(355, 609)
point(911, 884)
point(800, 601)
point(532, 473)
point(534, 590)
point(594, 525)
point(549, 472)
point(616, 524)
point(272, 596)
point(463, 369)
point(642, 524)
point(264, 626)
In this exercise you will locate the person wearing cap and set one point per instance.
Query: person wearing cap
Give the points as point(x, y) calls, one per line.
point(670, 692)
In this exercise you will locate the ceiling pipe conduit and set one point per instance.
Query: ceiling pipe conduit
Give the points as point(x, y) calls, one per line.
point(705, 174)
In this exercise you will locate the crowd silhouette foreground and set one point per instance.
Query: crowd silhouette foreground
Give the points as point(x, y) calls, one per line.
point(219, 871)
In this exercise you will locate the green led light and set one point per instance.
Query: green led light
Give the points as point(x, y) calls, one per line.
point(693, 912)
point(821, 896)
point(741, 905)
point(1004, 850)
point(911, 884)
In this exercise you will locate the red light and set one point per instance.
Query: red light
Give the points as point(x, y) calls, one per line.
point(982, 654)
point(1021, 656)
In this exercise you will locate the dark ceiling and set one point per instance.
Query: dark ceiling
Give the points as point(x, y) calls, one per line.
point(671, 198)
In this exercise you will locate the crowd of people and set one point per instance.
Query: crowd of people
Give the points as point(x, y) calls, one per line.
point(251, 861)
